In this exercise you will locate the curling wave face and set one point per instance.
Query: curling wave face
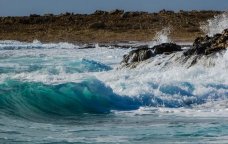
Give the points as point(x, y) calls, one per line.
point(29, 99)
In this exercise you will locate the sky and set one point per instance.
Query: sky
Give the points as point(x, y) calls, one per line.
point(27, 7)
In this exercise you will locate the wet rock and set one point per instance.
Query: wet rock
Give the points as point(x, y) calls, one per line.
point(166, 48)
point(144, 52)
point(208, 45)
point(137, 56)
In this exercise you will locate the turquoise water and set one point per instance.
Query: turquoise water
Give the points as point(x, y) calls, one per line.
point(57, 93)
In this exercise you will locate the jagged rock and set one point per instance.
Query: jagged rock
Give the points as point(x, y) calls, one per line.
point(207, 45)
point(166, 48)
point(137, 56)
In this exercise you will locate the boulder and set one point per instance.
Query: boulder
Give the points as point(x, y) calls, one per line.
point(166, 48)
point(137, 55)
point(208, 45)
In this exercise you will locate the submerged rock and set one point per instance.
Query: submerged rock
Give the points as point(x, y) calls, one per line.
point(208, 45)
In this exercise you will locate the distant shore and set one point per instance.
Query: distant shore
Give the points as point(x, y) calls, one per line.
point(104, 27)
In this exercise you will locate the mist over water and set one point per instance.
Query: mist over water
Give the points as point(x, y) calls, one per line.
point(58, 93)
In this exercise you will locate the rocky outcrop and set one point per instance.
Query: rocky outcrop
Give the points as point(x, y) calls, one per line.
point(143, 54)
point(103, 27)
point(208, 45)
point(203, 46)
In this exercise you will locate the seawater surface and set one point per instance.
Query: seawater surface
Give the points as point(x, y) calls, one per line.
point(58, 93)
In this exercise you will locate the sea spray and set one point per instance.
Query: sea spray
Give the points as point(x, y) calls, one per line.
point(215, 25)
point(162, 36)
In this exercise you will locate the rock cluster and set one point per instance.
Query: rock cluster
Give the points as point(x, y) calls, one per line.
point(208, 45)
point(202, 46)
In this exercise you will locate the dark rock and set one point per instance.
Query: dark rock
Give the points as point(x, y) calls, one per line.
point(166, 48)
point(137, 56)
point(208, 45)
point(143, 53)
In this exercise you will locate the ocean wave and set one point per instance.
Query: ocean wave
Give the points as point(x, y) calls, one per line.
point(31, 99)
point(35, 99)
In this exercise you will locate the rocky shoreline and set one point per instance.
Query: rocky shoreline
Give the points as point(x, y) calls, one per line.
point(104, 27)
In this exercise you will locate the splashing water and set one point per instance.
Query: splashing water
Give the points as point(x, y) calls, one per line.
point(163, 36)
point(216, 25)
